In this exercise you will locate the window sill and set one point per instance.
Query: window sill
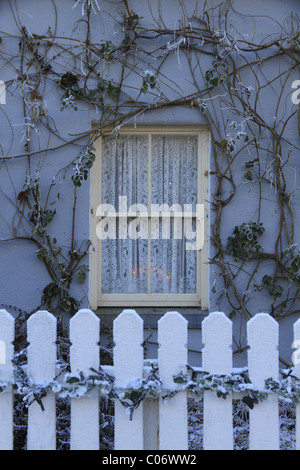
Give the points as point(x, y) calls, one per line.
point(151, 315)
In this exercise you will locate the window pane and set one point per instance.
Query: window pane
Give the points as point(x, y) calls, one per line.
point(124, 266)
point(124, 174)
point(174, 183)
point(125, 169)
point(173, 267)
point(174, 169)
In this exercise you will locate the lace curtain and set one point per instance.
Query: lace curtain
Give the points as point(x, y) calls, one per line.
point(173, 181)
point(125, 165)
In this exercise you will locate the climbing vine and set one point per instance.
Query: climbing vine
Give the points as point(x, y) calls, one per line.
point(196, 382)
point(56, 79)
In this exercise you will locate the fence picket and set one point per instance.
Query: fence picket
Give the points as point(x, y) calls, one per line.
point(296, 360)
point(172, 358)
point(6, 399)
point(41, 369)
point(128, 368)
point(84, 354)
point(217, 359)
point(263, 363)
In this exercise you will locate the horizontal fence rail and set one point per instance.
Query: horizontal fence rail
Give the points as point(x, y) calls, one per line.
point(150, 397)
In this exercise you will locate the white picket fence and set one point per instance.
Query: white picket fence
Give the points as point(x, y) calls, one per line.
point(155, 424)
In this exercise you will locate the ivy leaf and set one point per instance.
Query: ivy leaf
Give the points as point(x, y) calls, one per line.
point(248, 175)
point(68, 81)
point(82, 273)
point(72, 380)
point(250, 401)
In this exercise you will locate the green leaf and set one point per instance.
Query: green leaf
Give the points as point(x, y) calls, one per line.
point(232, 314)
point(250, 401)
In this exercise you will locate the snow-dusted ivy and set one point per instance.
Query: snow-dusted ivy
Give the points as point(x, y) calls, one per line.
point(194, 381)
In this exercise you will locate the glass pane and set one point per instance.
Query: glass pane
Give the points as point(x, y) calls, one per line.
point(124, 174)
point(125, 169)
point(124, 266)
point(173, 267)
point(174, 169)
point(174, 183)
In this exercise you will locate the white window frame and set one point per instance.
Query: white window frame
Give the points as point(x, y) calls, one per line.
point(200, 298)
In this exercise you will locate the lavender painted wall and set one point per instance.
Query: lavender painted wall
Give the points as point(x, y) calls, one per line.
point(22, 275)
